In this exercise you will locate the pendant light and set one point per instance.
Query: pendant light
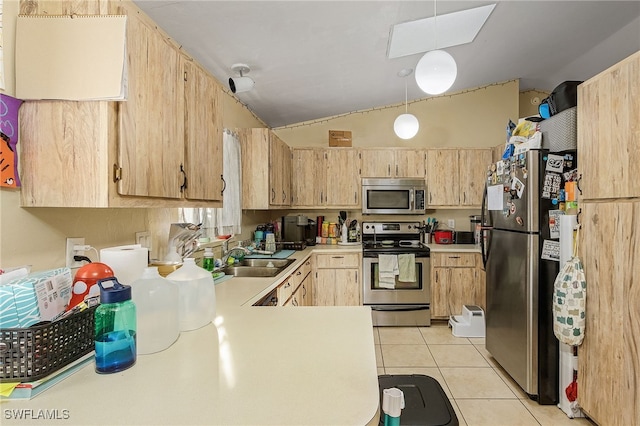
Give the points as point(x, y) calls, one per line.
point(436, 70)
point(406, 125)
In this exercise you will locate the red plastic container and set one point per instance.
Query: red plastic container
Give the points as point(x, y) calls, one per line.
point(443, 237)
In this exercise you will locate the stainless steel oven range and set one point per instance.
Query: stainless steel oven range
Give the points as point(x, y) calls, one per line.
point(401, 297)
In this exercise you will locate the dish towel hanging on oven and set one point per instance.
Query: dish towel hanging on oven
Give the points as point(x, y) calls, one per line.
point(407, 267)
point(387, 270)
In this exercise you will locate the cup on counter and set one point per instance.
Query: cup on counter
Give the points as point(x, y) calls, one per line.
point(258, 236)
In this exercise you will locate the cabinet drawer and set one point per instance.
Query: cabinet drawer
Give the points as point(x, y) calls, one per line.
point(300, 274)
point(453, 260)
point(346, 260)
point(285, 290)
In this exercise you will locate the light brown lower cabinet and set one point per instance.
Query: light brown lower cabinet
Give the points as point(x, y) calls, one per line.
point(296, 289)
point(293, 290)
point(457, 279)
point(338, 279)
point(609, 357)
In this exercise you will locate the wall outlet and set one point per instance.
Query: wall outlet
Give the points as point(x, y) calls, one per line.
point(70, 252)
point(144, 239)
point(451, 223)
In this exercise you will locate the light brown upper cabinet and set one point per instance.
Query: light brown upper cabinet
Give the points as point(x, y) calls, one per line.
point(122, 154)
point(309, 177)
point(392, 162)
point(266, 170)
point(203, 134)
point(473, 174)
point(609, 132)
point(455, 177)
point(326, 177)
point(343, 179)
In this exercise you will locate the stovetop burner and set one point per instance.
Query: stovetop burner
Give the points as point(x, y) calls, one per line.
point(392, 238)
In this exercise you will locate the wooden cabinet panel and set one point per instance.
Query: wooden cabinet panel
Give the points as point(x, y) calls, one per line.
point(203, 134)
point(377, 163)
point(443, 180)
point(393, 162)
point(410, 163)
point(337, 279)
point(325, 178)
point(609, 132)
point(266, 169)
point(473, 165)
point(456, 260)
point(343, 179)
point(150, 140)
point(346, 260)
point(308, 178)
point(456, 280)
point(279, 171)
point(609, 357)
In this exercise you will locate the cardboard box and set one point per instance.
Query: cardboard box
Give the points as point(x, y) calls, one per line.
point(340, 138)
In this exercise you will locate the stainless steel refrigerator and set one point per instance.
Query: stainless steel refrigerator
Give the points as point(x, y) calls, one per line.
point(523, 198)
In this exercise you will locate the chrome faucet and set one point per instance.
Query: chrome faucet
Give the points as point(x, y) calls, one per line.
point(226, 252)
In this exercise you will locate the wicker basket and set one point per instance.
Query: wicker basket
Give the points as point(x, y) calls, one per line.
point(28, 354)
point(560, 132)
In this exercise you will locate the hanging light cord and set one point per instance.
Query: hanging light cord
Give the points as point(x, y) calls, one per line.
point(435, 24)
point(406, 106)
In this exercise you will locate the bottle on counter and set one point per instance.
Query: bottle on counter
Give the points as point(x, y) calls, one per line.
point(115, 328)
point(208, 262)
point(157, 304)
point(197, 295)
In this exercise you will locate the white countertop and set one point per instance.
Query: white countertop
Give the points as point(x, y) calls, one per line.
point(254, 365)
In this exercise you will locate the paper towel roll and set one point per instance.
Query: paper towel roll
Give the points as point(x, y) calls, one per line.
point(127, 262)
point(567, 225)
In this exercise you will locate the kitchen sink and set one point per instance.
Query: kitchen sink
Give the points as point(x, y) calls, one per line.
point(277, 263)
point(258, 267)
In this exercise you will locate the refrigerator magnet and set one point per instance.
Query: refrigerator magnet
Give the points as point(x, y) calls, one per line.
point(500, 167)
point(518, 186)
point(555, 163)
point(551, 250)
point(519, 221)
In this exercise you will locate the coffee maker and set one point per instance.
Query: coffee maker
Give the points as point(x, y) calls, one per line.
point(299, 228)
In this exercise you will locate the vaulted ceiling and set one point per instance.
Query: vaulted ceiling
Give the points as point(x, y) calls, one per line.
point(315, 59)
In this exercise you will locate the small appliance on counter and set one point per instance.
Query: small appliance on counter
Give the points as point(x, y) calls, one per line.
point(464, 237)
point(443, 237)
point(297, 229)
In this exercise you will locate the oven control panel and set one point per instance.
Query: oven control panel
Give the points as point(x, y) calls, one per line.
point(390, 228)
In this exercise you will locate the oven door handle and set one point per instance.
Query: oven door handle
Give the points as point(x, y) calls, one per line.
point(400, 308)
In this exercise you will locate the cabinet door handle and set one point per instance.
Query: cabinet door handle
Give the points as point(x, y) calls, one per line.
point(299, 273)
point(224, 184)
point(184, 181)
point(321, 194)
point(356, 276)
point(304, 291)
point(337, 257)
point(454, 257)
point(288, 284)
point(388, 169)
point(273, 194)
point(355, 197)
point(396, 170)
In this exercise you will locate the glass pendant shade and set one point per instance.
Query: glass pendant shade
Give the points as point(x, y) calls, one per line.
point(436, 72)
point(406, 126)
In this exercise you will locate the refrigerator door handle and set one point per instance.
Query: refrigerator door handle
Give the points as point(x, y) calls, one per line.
point(484, 228)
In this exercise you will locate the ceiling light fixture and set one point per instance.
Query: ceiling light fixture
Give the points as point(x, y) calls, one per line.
point(406, 125)
point(242, 83)
point(436, 70)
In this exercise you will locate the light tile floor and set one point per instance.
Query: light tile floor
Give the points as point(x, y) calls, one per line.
point(481, 392)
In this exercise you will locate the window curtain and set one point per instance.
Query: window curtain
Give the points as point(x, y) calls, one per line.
point(228, 219)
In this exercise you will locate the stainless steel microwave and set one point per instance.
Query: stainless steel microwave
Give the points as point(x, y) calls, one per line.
point(393, 196)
